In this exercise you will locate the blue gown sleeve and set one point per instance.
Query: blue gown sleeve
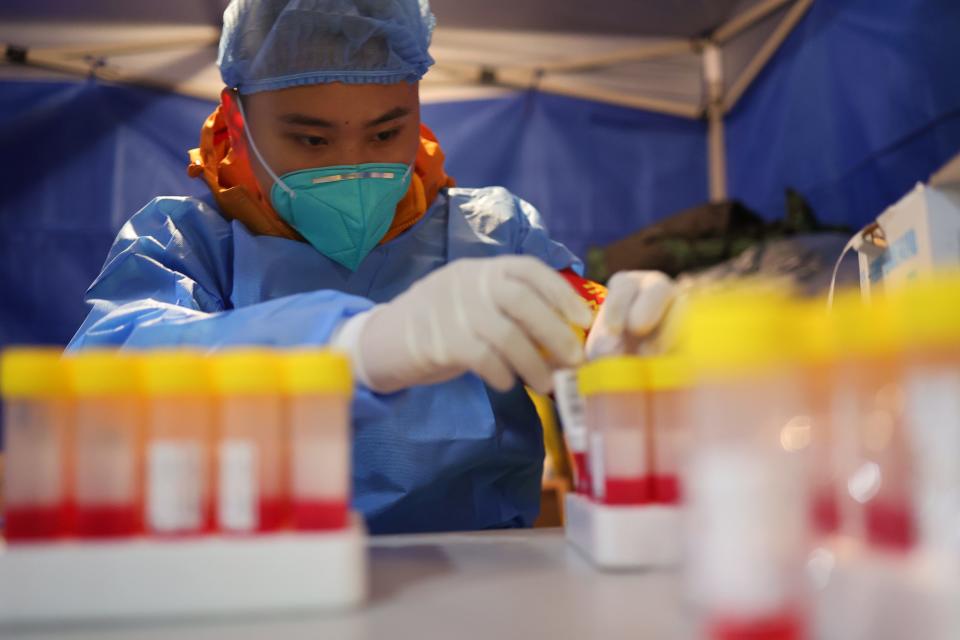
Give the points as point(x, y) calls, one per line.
point(536, 241)
point(167, 283)
point(494, 221)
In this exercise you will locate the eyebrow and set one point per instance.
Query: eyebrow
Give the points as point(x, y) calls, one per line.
point(310, 121)
point(394, 114)
point(305, 120)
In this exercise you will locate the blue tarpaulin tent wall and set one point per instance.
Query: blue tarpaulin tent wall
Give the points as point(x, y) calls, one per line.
point(72, 186)
point(861, 101)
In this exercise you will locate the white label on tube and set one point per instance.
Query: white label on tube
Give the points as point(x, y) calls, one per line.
point(626, 452)
point(597, 477)
point(744, 516)
point(237, 507)
point(33, 455)
point(933, 414)
point(320, 466)
point(106, 467)
point(571, 408)
point(174, 486)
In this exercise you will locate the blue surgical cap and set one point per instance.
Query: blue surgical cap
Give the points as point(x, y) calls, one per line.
point(273, 44)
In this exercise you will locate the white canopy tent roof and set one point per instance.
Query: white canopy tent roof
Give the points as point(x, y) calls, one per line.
point(687, 58)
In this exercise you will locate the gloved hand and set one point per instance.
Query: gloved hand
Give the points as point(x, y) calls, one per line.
point(636, 303)
point(498, 317)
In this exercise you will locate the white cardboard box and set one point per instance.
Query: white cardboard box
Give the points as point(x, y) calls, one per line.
point(922, 232)
point(948, 174)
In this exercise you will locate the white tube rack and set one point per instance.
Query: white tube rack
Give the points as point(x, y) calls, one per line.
point(624, 537)
point(202, 576)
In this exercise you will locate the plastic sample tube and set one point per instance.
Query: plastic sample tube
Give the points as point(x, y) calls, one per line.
point(619, 436)
point(108, 468)
point(746, 493)
point(928, 318)
point(868, 405)
point(38, 436)
point(829, 459)
point(252, 492)
point(668, 384)
point(318, 388)
point(744, 563)
point(572, 411)
point(180, 424)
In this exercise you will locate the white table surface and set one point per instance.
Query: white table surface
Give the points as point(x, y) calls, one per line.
point(464, 586)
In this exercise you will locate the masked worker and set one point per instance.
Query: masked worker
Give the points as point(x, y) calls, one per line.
point(331, 221)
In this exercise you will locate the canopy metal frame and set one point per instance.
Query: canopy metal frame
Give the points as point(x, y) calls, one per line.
point(720, 94)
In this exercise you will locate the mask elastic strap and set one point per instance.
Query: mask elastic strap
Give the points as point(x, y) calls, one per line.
point(256, 151)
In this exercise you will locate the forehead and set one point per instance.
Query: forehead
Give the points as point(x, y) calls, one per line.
point(335, 101)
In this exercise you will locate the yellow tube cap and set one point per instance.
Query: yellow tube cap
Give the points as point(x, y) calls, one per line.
point(310, 371)
point(816, 338)
point(616, 374)
point(668, 373)
point(740, 328)
point(928, 311)
point(246, 371)
point(179, 372)
point(864, 329)
point(102, 372)
point(32, 372)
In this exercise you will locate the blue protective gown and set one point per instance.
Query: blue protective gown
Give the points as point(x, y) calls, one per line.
point(449, 456)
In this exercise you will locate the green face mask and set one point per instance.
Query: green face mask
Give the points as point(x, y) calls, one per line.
point(343, 211)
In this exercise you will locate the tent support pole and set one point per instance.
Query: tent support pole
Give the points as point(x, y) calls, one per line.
point(540, 78)
point(717, 151)
point(208, 39)
point(525, 79)
point(716, 140)
point(67, 64)
point(629, 54)
point(743, 21)
point(656, 105)
point(634, 53)
point(759, 61)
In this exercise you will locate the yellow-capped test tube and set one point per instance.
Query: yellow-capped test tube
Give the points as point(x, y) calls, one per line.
point(619, 438)
point(927, 314)
point(108, 470)
point(868, 417)
point(38, 433)
point(744, 488)
point(668, 384)
point(817, 357)
point(251, 448)
point(180, 421)
point(318, 388)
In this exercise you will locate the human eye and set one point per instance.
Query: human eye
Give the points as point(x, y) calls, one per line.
point(387, 135)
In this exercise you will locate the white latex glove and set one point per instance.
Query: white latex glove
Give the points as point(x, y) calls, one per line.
point(635, 305)
point(499, 317)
